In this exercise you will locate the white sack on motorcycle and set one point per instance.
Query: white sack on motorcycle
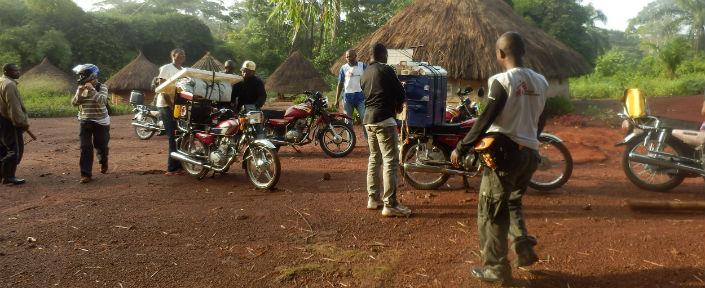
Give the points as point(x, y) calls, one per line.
point(215, 91)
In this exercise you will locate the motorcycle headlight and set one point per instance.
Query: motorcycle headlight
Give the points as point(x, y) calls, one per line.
point(255, 117)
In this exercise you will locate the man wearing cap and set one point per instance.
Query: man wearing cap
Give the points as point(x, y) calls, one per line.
point(249, 91)
point(229, 67)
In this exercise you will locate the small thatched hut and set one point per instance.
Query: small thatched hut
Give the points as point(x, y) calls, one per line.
point(295, 76)
point(209, 63)
point(47, 77)
point(136, 75)
point(460, 36)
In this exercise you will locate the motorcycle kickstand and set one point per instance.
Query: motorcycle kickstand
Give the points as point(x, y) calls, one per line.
point(466, 184)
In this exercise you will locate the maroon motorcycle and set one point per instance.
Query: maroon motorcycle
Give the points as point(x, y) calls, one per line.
point(308, 122)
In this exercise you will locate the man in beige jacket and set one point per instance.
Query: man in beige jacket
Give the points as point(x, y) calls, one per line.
point(13, 122)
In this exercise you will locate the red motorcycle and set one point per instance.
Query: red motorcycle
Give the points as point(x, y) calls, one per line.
point(309, 121)
point(426, 153)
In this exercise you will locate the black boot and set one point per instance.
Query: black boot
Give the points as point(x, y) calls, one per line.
point(8, 175)
point(524, 248)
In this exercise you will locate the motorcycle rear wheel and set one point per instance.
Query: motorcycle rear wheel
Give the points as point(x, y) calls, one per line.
point(262, 167)
point(647, 176)
point(193, 146)
point(424, 180)
point(555, 166)
point(145, 133)
point(337, 147)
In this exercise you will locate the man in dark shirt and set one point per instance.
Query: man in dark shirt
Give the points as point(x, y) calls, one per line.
point(249, 91)
point(513, 107)
point(384, 96)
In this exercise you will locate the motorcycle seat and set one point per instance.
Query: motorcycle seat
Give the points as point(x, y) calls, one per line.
point(273, 114)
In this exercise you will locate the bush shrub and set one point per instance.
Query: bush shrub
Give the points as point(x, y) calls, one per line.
point(558, 106)
point(43, 104)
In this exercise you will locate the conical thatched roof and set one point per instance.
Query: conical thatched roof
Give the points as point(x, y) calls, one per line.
point(208, 62)
point(460, 36)
point(50, 75)
point(295, 76)
point(136, 75)
point(47, 70)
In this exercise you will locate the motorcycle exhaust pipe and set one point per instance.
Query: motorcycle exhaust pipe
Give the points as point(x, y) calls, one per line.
point(668, 164)
point(434, 169)
point(183, 157)
point(278, 142)
point(144, 126)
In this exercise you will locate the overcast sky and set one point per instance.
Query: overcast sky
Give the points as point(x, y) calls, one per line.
point(618, 12)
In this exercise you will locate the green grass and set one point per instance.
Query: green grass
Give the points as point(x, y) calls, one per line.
point(595, 87)
point(47, 104)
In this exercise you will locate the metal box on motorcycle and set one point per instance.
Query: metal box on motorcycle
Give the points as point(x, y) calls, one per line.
point(426, 91)
point(136, 97)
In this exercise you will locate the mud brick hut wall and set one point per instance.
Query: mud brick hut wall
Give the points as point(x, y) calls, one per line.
point(460, 36)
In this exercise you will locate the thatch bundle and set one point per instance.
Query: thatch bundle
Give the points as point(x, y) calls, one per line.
point(295, 76)
point(209, 63)
point(136, 75)
point(460, 36)
point(47, 76)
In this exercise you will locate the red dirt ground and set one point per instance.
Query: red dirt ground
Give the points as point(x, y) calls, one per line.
point(135, 227)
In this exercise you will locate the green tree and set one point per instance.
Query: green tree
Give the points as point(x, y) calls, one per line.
point(673, 53)
point(53, 45)
point(661, 19)
point(568, 21)
point(616, 61)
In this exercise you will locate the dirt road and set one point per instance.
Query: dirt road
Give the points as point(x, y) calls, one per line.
point(135, 227)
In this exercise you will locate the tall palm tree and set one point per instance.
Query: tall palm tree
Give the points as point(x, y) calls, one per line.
point(663, 18)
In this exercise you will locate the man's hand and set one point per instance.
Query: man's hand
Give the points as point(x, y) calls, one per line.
point(455, 158)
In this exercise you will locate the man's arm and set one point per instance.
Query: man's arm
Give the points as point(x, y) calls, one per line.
point(17, 113)
point(101, 96)
point(339, 88)
point(261, 95)
point(395, 87)
point(494, 103)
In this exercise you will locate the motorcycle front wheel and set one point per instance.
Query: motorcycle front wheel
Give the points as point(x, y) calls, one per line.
point(262, 167)
point(193, 147)
point(646, 176)
point(421, 153)
point(338, 141)
point(555, 165)
point(146, 133)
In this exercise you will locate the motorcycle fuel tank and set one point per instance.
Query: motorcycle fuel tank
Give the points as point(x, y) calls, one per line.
point(299, 111)
point(229, 127)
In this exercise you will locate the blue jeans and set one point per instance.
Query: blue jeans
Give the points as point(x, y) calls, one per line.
point(355, 101)
point(167, 114)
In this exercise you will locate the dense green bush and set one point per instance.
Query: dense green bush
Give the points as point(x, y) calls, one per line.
point(41, 103)
point(615, 61)
point(593, 87)
point(558, 106)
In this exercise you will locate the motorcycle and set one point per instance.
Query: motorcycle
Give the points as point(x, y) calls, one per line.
point(213, 139)
point(309, 121)
point(657, 157)
point(426, 154)
point(146, 121)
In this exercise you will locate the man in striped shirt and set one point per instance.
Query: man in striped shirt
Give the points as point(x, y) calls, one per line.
point(92, 101)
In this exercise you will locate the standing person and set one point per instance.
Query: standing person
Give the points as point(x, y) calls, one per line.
point(513, 106)
point(229, 67)
point(13, 122)
point(91, 98)
point(384, 97)
point(349, 81)
point(249, 91)
point(165, 105)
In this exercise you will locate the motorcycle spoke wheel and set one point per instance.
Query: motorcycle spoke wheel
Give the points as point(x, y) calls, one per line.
point(650, 177)
point(339, 141)
point(145, 133)
point(417, 153)
point(263, 167)
point(554, 168)
point(192, 146)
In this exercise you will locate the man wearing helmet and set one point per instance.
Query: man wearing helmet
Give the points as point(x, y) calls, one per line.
point(249, 91)
point(13, 121)
point(91, 98)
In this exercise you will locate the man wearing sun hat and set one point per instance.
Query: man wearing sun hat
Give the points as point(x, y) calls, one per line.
point(249, 91)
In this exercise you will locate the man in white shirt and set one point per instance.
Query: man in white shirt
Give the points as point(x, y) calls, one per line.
point(511, 117)
point(349, 82)
point(165, 105)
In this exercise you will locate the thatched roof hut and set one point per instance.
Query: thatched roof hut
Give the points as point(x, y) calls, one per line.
point(460, 36)
point(209, 63)
point(136, 75)
point(295, 76)
point(48, 77)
